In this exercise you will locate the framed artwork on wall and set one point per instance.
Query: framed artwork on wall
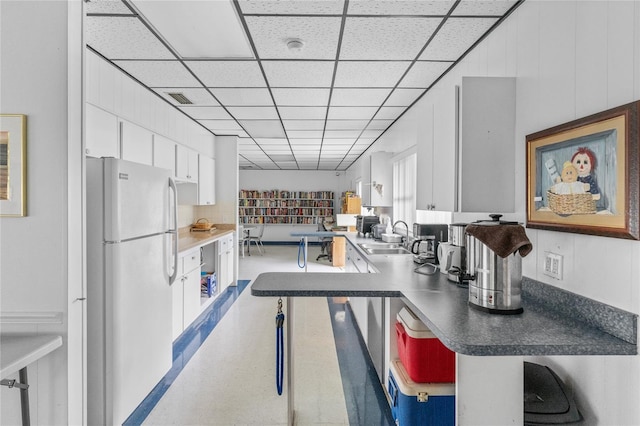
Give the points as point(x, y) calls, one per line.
point(583, 176)
point(13, 165)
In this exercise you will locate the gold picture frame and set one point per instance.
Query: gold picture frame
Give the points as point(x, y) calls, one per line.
point(583, 176)
point(13, 165)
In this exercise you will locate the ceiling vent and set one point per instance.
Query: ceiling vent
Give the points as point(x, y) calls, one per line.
point(180, 98)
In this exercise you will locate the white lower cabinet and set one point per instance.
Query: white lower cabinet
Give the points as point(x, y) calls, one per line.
point(186, 292)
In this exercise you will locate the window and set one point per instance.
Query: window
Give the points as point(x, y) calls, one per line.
point(404, 189)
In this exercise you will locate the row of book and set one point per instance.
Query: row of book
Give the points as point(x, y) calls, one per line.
point(256, 211)
point(310, 195)
point(254, 202)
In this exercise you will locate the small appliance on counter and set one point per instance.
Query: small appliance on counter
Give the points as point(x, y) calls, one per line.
point(378, 230)
point(454, 256)
point(494, 251)
point(426, 238)
point(364, 224)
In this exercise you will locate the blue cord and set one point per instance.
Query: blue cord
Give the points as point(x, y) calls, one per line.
point(279, 351)
point(301, 252)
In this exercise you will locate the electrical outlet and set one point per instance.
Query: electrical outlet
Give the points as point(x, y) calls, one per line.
point(553, 265)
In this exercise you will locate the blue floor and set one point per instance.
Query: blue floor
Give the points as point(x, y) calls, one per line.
point(365, 399)
point(364, 395)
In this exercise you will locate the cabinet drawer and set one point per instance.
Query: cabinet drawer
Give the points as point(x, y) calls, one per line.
point(190, 261)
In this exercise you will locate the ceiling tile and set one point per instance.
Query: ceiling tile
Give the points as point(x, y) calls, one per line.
point(301, 97)
point(483, 7)
point(347, 113)
point(379, 124)
point(298, 73)
point(389, 113)
point(263, 128)
point(271, 141)
point(386, 38)
point(228, 73)
point(339, 141)
point(221, 124)
point(277, 7)
point(402, 7)
point(107, 7)
point(403, 97)
point(342, 133)
point(318, 34)
point(358, 97)
point(455, 37)
point(243, 96)
point(346, 124)
point(304, 134)
point(254, 113)
point(370, 73)
point(124, 38)
point(206, 113)
point(159, 73)
point(423, 74)
point(304, 125)
point(371, 133)
point(303, 113)
point(200, 97)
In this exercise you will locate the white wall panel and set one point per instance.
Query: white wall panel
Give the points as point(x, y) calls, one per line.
point(619, 53)
point(557, 63)
point(496, 52)
point(591, 47)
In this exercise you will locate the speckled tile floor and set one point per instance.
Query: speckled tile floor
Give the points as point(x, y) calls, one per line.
point(230, 378)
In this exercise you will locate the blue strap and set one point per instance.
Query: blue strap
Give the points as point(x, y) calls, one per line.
point(279, 351)
point(301, 253)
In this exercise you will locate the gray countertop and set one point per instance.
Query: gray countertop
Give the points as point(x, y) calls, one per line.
point(442, 305)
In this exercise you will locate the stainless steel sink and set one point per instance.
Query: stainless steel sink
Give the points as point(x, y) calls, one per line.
point(384, 248)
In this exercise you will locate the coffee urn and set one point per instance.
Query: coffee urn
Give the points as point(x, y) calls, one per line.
point(494, 251)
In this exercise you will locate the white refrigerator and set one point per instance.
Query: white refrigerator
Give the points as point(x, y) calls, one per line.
point(131, 264)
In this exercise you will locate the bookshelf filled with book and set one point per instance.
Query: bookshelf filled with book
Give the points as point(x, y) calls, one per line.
point(284, 207)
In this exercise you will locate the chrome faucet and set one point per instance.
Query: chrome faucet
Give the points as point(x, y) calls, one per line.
point(393, 229)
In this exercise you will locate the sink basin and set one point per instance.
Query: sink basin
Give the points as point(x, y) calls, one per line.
point(384, 248)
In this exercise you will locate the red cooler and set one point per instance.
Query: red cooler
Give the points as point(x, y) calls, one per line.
point(423, 355)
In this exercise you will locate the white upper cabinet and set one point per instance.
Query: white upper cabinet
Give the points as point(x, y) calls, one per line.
point(436, 153)
point(380, 185)
point(102, 133)
point(186, 164)
point(487, 151)
point(206, 180)
point(164, 153)
point(136, 143)
point(465, 149)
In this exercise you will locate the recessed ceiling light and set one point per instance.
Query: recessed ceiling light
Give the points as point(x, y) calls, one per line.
point(180, 98)
point(295, 44)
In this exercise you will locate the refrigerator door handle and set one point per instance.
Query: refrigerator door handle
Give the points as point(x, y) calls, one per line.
point(174, 231)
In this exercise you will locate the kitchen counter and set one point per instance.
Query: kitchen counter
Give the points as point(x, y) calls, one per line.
point(572, 326)
point(188, 239)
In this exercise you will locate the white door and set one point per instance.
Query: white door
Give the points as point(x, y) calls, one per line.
point(137, 324)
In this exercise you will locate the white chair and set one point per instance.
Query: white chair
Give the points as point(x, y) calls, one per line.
point(257, 239)
point(242, 238)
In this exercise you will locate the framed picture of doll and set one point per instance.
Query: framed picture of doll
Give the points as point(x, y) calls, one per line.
point(584, 176)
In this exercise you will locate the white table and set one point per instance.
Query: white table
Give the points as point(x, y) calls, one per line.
point(246, 229)
point(16, 353)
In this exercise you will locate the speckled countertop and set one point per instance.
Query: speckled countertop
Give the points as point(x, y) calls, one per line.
point(545, 328)
point(188, 239)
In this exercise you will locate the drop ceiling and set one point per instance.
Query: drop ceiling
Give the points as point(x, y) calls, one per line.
point(361, 64)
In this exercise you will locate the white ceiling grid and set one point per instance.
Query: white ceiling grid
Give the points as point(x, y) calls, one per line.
point(362, 64)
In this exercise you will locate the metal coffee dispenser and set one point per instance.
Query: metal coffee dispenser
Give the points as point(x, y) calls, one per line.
point(494, 251)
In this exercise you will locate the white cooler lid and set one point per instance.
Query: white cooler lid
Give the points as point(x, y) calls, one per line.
point(410, 388)
point(413, 326)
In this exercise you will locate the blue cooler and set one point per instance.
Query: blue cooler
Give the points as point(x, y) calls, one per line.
point(420, 403)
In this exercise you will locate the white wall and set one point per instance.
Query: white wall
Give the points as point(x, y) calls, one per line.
point(571, 59)
point(35, 267)
point(293, 180)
